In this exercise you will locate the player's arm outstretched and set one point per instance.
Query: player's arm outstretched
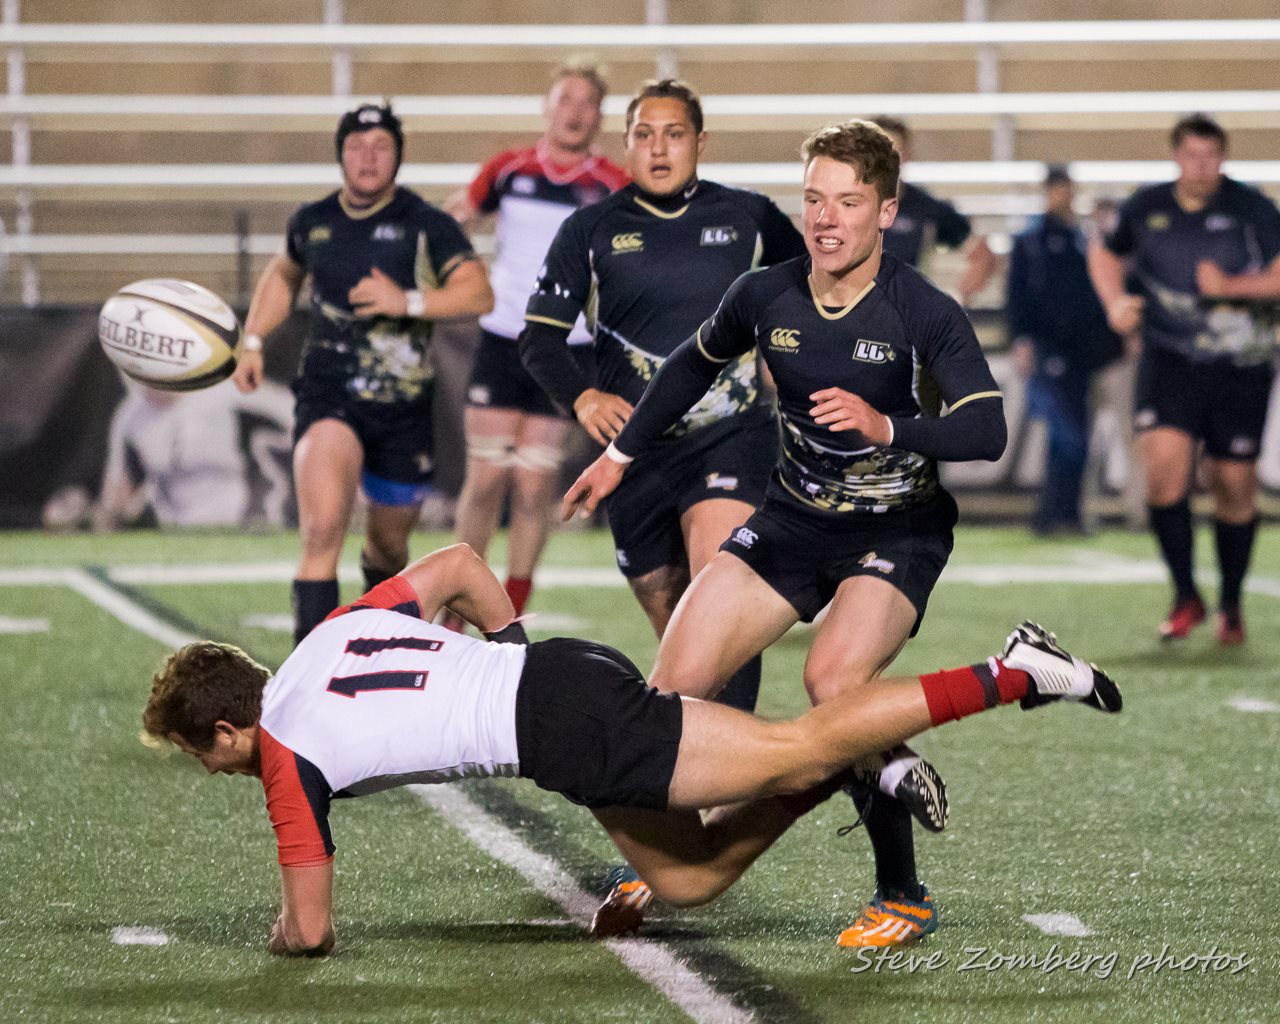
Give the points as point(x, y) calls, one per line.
point(305, 924)
point(457, 578)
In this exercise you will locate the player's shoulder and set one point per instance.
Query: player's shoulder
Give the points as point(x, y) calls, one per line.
point(1157, 196)
point(913, 294)
point(503, 165)
point(1244, 196)
point(920, 201)
point(714, 192)
point(603, 170)
point(317, 210)
point(761, 287)
point(586, 218)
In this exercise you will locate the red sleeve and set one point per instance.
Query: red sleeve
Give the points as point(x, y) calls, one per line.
point(297, 804)
point(396, 594)
point(482, 193)
point(611, 175)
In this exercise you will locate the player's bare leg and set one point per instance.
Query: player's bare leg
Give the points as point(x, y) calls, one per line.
point(1168, 458)
point(658, 592)
point(763, 775)
point(1235, 521)
point(386, 543)
point(326, 472)
point(534, 490)
point(491, 440)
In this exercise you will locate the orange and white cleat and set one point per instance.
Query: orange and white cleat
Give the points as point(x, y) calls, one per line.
point(622, 912)
point(892, 921)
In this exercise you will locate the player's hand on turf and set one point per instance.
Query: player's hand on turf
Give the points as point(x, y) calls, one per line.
point(839, 410)
point(597, 482)
point(248, 372)
point(278, 946)
point(1125, 313)
point(601, 414)
point(1210, 280)
point(377, 295)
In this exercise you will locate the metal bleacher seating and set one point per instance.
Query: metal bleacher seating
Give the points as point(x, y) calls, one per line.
point(155, 147)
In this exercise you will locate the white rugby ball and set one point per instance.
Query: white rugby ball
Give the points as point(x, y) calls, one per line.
point(169, 334)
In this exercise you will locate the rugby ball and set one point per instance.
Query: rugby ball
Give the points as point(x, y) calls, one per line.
point(169, 334)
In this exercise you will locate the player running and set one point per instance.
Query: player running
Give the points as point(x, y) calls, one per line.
point(650, 263)
point(1202, 252)
point(384, 265)
point(865, 353)
point(378, 697)
point(515, 435)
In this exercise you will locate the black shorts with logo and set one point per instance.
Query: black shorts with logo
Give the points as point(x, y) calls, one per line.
point(396, 436)
point(731, 459)
point(1224, 405)
point(500, 381)
point(805, 554)
point(590, 728)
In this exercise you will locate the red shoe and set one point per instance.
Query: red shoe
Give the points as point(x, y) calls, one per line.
point(1185, 616)
point(1230, 628)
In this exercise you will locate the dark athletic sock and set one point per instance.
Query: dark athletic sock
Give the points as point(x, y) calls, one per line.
point(312, 601)
point(373, 575)
point(1235, 546)
point(743, 687)
point(1172, 526)
point(956, 692)
point(888, 824)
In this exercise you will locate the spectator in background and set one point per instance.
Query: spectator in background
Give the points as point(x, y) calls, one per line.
point(515, 435)
point(211, 457)
point(925, 222)
point(1196, 252)
point(1060, 336)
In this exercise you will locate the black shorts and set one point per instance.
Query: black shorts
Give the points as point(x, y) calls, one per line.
point(590, 728)
point(731, 460)
point(805, 554)
point(500, 381)
point(1224, 405)
point(396, 438)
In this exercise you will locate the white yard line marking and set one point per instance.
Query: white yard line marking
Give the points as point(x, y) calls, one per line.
point(278, 622)
point(648, 959)
point(129, 612)
point(138, 937)
point(1254, 704)
point(1059, 924)
point(11, 625)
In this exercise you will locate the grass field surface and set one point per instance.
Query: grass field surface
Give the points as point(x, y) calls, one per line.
point(1096, 868)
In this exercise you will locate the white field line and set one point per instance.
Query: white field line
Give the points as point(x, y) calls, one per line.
point(17, 626)
point(648, 959)
point(127, 936)
point(1254, 705)
point(1059, 924)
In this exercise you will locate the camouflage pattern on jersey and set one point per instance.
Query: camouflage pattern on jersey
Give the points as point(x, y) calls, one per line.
point(386, 357)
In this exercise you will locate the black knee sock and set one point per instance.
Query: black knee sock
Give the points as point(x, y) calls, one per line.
point(373, 574)
point(888, 825)
point(1172, 527)
point(312, 601)
point(743, 687)
point(1235, 546)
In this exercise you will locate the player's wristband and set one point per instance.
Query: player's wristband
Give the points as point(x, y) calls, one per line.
point(253, 342)
point(512, 633)
point(415, 304)
point(617, 456)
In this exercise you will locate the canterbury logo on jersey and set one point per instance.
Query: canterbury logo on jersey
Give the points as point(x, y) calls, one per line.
point(718, 236)
point(388, 233)
point(1158, 222)
point(872, 351)
point(321, 233)
point(784, 339)
point(632, 241)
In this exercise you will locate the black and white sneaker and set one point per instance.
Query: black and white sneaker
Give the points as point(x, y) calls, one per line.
point(908, 777)
point(1055, 674)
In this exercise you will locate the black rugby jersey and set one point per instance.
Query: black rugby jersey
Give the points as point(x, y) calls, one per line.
point(377, 359)
point(904, 347)
point(1238, 229)
point(648, 271)
point(923, 222)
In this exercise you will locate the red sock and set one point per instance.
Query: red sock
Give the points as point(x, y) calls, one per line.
point(518, 589)
point(956, 692)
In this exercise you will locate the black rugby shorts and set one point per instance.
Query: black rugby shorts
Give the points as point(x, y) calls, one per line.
point(500, 381)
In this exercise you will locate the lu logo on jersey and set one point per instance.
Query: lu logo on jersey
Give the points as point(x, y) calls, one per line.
point(388, 233)
point(865, 351)
point(631, 241)
point(718, 236)
point(784, 339)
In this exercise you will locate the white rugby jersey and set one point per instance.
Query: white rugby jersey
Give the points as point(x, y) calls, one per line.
point(375, 698)
point(532, 196)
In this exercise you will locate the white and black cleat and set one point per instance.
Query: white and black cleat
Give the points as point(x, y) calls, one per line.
point(1055, 674)
point(906, 776)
